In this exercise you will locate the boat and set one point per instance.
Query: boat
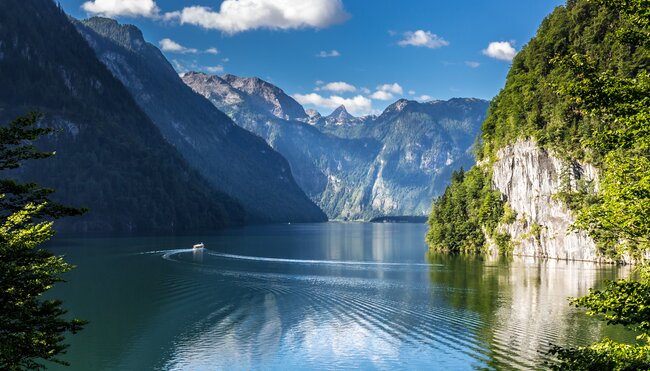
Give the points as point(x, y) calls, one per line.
point(198, 246)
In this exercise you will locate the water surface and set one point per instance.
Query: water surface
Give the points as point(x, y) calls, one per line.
point(317, 296)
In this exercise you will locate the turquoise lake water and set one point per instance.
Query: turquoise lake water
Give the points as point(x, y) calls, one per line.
point(317, 296)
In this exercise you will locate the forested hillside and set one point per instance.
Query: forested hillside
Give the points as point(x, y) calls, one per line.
point(110, 157)
point(538, 103)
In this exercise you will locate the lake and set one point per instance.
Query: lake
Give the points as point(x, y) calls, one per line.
point(317, 296)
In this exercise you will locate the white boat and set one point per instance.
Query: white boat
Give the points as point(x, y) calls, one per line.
point(198, 246)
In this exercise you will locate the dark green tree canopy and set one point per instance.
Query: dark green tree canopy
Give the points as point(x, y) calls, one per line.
point(31, 328)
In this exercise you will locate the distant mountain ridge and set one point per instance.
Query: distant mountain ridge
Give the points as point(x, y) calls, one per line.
point(361, 168)
point(232, 159)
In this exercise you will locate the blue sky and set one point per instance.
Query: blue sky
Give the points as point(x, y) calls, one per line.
point(363, 53)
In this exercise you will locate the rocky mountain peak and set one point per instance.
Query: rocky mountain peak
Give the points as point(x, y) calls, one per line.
point(267, 97)
point(127, 35)
point(340, 116)
point(399, 105)
point(341, 113)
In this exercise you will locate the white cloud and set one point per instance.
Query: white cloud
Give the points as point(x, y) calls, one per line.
point(391, 88)
point(126, 8)
point(472, 64)
point(169, 45)
point(319, 82)
point(501, 50)
point(242, 15)
point(386, 91)
point(214, 69)
point(338, 87)
point(213, 51)
point(381, 95)
point(357, 105)
point(365, 90)
point(328, 54)
point(423, 38)
point(411, 92)
point(424, 98)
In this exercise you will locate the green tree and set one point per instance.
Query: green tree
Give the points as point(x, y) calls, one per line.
point(31, 328)
point(467, 208)
point(619, 221)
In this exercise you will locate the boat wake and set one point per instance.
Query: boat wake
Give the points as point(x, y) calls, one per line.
point(318, 262)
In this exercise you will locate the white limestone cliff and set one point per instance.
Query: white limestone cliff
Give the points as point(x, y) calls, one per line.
point(529, 177)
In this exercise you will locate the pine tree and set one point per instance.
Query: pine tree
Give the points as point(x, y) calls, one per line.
point(31, 328)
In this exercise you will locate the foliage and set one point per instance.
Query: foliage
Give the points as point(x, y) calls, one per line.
point(603, 355)
point(16, 146)
point(30, 328)
point(458, 217)
point(619, 220)
point(622, 302)
point(533, 104)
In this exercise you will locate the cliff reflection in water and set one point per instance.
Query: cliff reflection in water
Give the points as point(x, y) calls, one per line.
point(523, 303)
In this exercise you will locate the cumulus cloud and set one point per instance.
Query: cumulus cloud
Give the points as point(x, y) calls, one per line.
point(423, 39)
point(213, 51)
point(338, 87)
point(386, 91)
point(357, 105)
point(391, 88)
point(242, 15)
point(472, 64)
point(169, 45)
point(381, 95)
point(328, 54)
point(125, 8)
point(214, 69)
point(183, 67)
point(424, 98)
point(501, 50)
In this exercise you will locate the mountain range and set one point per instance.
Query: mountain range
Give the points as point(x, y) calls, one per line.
point(145, 149)
point(229, 157)
point(355, 168)
point(110, 157)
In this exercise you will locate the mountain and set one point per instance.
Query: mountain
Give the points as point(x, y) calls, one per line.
point(341, 116)
point(422, 143)
point(267, 97)
point(230, 158)
point(393, 164)
point(110, 157)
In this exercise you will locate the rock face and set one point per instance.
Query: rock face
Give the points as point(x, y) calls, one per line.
point(267, 97)
point(361, 168)
point(232, 159)
point(529, 177)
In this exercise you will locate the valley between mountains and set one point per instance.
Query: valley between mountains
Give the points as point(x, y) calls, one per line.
point(244, 139)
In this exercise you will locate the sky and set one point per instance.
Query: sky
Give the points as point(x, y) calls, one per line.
point(364, 54)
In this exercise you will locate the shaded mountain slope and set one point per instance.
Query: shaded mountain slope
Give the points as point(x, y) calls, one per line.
point(232, 159)
point(110, 157)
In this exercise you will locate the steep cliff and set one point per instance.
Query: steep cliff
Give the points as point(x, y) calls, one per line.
point(530, 178)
